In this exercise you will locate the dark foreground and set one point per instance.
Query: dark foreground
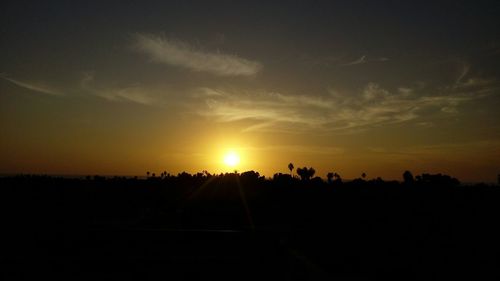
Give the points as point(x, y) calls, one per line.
point(246, 228)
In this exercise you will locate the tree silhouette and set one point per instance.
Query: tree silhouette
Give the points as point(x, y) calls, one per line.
point(306, 173)
point(329, 176)
point(337, 178)
point(408, 177)
point(438, 179)
point(363, 175)
point(301, 173)
point(311, 172)
point(290, 167)
point(249, 176)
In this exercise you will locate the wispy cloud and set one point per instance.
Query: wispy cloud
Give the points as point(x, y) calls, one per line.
point(134, 94)
point(357, 61)
point(306, 149)
point(181, 54)
point(38, 87)
point(374, 106)
point(463, 72)
point(324, 61)
point(363, 60)
point(489, 147)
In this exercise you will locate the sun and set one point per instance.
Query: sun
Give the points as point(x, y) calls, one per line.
point(231, 159)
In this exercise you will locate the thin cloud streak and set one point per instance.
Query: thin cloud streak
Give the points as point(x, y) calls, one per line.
point(309, 149)
point(134, 94)
point(363, 60)
point(181, 54)
point(475, 153)
point(373, 107)
point(33, 86)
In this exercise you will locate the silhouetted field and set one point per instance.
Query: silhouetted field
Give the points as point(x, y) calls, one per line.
point(242, 226)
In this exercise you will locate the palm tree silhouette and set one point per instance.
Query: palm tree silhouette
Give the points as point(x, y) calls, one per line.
point(306, 173)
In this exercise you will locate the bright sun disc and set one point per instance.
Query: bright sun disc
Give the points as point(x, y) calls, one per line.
point(231, 159)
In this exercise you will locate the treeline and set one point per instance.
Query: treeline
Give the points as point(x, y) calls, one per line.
point(424, 225)
point(204, 199)
point(303, 176)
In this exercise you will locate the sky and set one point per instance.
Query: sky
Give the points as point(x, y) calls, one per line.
point(125, 87)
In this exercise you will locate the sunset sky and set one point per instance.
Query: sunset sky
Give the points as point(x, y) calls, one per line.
point(125, 87)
